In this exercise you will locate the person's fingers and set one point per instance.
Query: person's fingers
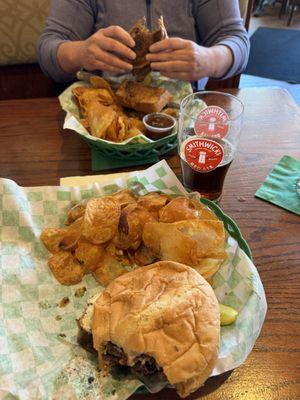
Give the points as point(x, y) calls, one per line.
point(113, 46)
point(171, 66)
point(118, 33)
point(111, 59)
point(168, 44)
point(105, 67)
point(178, 55)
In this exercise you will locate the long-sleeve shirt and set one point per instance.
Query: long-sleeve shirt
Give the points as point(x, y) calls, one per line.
point(206, 22)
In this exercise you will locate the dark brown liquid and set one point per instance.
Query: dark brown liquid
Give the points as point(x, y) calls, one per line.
point(159, 121)
point(157, 135)
point(208, 184)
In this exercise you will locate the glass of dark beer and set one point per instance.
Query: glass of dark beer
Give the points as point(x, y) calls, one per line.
point(209, 130)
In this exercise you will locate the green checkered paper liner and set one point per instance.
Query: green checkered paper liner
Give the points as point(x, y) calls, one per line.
point(39, 356)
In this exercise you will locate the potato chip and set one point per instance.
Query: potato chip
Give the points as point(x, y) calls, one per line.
point(112, 130)
point(51, 237)
point(72, 235)
point(132, 220)
point(85, 123)
point(168, 243)
point(101, 219)
point(207, 267)
point(190, 242)
point(100, 83)
point(124, 197)
point(153, 202)
point(122, 127)
point(66, 269)
point(142, 256)
point(113, 264)
point(179, 209)
point(209, 235)
point(86, 95)
point(136, 124)
point(75, 212)
point(100, 118)
point(132, 132)
point(206, 213)
point(88, 254)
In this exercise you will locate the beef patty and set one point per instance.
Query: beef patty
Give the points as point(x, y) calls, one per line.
point(143, 363)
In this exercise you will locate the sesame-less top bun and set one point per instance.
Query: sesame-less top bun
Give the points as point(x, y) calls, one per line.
point(167, 311)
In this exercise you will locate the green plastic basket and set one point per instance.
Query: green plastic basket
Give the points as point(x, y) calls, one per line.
point(137, 149)
point(134, 152)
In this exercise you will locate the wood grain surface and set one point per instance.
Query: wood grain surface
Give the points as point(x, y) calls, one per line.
point(34, 150)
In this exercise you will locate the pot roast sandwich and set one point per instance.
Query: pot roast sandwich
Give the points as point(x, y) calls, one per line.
point(143, 40)
point(161, 322)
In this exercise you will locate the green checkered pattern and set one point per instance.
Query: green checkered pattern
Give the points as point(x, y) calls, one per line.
point(237, 284)
point(35, 343)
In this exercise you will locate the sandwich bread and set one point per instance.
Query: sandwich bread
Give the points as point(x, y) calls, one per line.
point(159, 320)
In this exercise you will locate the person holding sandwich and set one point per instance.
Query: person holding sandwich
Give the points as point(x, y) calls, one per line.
point(206, 38)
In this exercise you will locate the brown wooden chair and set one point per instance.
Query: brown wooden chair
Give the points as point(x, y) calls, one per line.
point(283, 8)
point(293, 4)
point(21, 24)
point(26, 81)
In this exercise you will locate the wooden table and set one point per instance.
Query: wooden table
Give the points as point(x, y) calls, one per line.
point(34, 150)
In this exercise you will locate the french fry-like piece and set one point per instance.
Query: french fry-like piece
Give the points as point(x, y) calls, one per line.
point(66, 269)
point(113, 264)
point(72, 235)
point(51, 237)
point(75, 212)
point(89, 254)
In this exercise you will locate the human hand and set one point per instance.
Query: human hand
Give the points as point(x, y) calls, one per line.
point(180, 59)
point(109, 50)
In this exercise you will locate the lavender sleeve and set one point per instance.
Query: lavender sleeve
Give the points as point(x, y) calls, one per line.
point(219, 22)
point(67, 20)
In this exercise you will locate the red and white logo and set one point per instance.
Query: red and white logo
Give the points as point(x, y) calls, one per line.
point(212, 121)
point(203, 155)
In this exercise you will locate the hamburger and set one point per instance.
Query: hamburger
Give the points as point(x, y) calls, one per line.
point(162, 322)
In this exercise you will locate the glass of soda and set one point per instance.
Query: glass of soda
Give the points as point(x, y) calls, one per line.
point(209, 130)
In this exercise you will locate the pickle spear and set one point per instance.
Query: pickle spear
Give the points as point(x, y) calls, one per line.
point(228, 315)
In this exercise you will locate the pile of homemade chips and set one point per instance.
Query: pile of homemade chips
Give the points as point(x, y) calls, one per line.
point(111, 235)
point(102, 115)
point(116, 115)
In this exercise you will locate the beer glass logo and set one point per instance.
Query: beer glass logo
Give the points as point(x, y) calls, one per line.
point(203, 155)
point(212, 121)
